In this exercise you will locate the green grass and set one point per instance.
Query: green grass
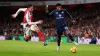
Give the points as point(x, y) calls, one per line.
point(21, 48)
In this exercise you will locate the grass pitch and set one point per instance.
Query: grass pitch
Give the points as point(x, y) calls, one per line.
point(22, 48)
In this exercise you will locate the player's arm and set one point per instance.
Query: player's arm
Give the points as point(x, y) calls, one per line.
point(47, 12)
point(52, 13)
point(18, 11)
point(38, 22)
point(32, 23)
point(68, 14)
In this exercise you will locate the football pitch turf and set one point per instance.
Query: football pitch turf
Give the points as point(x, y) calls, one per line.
point(21, 48)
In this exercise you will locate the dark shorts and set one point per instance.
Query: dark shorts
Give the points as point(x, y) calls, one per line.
point(60, 29)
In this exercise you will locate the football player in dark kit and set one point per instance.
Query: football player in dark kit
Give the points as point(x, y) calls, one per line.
point(59, 13)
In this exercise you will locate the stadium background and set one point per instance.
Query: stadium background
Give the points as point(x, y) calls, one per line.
point(85, 12)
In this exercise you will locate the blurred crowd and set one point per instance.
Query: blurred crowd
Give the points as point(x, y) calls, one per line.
point(11, 29)
point(86, 25)
point(87, 22)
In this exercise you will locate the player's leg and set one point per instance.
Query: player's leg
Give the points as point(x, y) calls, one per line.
point(25, 30)
point(27, 35)
point(59, 34)
point(68, 33)
point(40, 34)
point(72, 39)
point(30, 34)
point(58, 41)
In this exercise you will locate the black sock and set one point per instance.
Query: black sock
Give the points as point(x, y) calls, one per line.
point(59, 39)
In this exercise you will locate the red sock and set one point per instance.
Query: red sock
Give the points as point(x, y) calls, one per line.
point(40, 34)
point(26, 37)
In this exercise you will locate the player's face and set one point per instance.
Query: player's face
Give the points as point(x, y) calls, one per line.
point(59, 8)
point(31, 9)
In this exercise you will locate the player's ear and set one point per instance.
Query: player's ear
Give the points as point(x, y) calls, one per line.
point(57, 7)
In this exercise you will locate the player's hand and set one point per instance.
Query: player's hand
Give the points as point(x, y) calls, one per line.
point(13, 15)
point(22, 23)
point(73, 21)
point(66, 28)
point(40, 21)
point(46, 9)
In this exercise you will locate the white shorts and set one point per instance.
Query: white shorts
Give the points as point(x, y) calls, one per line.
point(33, 27)
point(28, 30)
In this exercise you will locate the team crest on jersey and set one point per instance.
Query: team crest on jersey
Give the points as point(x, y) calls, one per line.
point(62, 12)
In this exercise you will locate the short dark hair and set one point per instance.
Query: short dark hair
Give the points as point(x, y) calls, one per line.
point(58, 4)
point(30, 5)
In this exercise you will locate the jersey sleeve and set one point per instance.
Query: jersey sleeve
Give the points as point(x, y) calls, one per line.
point(19, 10)
point(52, 12)
point(68, 13)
